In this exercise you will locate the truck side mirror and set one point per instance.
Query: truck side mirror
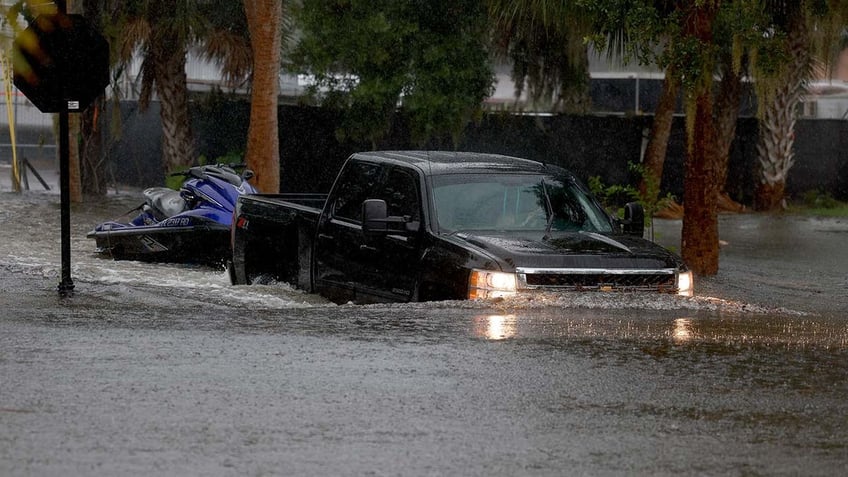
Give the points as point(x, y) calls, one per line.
point(374, 214)
point(376, 220)
point(634, 219)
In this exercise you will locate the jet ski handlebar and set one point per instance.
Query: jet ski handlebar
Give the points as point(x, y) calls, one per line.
point(225, 172)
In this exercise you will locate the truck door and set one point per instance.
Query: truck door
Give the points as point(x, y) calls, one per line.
point(390, 263)
point(350, 267)
point(338, 256)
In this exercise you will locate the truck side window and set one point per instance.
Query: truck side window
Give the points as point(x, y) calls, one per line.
point(401, 194)
point(358, 182)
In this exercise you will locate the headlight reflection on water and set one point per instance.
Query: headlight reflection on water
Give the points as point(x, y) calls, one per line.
point(505, 326)
point(682, 331)
point(495, 327)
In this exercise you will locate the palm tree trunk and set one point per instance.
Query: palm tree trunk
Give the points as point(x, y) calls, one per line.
point(573, 97)
point(75, 181)
point(169, 59)
point(699, 235)
point(777, 125)
point(655, 152)
point(700, 219)
point(92, 160)
point(264, 20)
point(726, 118)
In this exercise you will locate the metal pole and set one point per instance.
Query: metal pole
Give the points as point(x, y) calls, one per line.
point(66, 286)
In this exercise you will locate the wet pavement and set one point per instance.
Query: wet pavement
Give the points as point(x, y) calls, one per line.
point(168, 370)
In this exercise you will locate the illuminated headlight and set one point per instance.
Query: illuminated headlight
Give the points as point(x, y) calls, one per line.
point(488, 284)
point(685, 285)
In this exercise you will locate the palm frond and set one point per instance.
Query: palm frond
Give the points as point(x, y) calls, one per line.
point(231, 52)
point(135, 32)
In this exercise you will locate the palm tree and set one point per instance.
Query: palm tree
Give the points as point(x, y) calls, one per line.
point(544, 41)
point(655, 151)
point(693, 63)
point(162, 32)
point(92, 159)
point(656, 23)
point(780, 96)
point(736, 35)
point(728, 101)
point(699, 235)
point(810, 30)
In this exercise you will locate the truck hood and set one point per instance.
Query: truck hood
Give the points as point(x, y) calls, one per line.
point(574, 250)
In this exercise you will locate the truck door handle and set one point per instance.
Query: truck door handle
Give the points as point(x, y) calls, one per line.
point(367, 248)
point(325, 237)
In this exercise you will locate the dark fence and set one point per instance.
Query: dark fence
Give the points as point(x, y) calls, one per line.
point(311, 154)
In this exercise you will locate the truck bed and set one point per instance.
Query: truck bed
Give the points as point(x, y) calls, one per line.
point(272, 238)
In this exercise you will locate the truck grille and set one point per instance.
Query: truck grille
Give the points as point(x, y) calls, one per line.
point(597, 279)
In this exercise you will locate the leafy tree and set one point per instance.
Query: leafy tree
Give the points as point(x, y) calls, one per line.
point(649, 31)
point(367, 57)
point(686, 30)
point(632, 30)
point(695, 42)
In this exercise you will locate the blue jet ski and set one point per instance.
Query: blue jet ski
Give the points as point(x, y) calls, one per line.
point(191, 225)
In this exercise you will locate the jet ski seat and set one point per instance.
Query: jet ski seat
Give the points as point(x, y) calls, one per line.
point(165, 202)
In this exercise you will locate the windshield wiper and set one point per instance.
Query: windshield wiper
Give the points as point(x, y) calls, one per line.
point(550, 223)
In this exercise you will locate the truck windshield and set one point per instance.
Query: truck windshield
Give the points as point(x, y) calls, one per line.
point(515, 202)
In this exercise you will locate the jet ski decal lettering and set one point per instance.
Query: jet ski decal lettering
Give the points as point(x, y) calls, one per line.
point(152, 245)
point(177, 222)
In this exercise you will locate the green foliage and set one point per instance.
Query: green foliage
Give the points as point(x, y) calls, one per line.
point(630, 29)
point(650, 198)
point(230, 158)
point(745, 30)
point(174, 182)
point(840, 211)
point(820, 199)
point(367, 57)
point(614, 197)
point(818, 203)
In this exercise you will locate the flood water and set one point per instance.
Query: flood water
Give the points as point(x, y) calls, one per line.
point(167, 369)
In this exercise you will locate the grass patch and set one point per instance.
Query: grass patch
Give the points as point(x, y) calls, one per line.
point(838, 211)
point(817, 203)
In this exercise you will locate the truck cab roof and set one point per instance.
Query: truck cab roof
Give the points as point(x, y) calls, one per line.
point(452, 162)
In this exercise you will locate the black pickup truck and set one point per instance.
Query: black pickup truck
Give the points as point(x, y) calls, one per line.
point(403, 226)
